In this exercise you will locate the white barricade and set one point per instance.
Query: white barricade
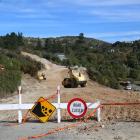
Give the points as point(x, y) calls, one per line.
point(58, 106)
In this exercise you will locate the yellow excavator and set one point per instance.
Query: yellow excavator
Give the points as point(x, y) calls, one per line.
point(2, 68)
point(74, 79)
point(41, 75)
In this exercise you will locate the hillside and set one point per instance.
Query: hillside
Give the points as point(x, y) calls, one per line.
point(64, 41)
point(107, 64)
point(32, 89)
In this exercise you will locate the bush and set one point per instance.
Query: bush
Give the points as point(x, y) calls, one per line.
point(105, 78)
point(135, 74)
point(14, 65)
point(9, 81)
point(30, 66)
point(10, 78)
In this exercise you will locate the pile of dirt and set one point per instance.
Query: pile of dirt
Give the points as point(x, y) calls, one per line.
point(121, 113)
point(47, 64)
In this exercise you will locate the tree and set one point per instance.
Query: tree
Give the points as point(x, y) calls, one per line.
point(81, 38)
point(38, 44)
point(20, 38)
point(12, 40)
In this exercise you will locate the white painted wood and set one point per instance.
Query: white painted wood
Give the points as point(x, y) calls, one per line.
point(98, 112)
point(29, 106)
point(20, 102)
point(58, 107)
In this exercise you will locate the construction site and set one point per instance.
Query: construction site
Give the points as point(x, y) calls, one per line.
point(120, 110)
point(70, 69)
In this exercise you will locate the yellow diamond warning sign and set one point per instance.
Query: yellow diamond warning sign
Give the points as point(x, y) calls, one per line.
point(43, 109)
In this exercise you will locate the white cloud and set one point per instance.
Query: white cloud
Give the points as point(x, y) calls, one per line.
point(105, 2)
point(36, 15)
point(27, 10)
point(90, 2)
point(114, 34)
point(67, 15)
point(117, 15)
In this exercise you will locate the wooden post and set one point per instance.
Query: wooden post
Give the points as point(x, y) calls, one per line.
point(20, 102)
point(98, 112)
point(58, 109)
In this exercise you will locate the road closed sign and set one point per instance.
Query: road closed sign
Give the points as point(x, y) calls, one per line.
point(77, 108)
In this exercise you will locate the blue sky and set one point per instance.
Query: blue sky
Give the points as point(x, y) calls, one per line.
point(109, 20)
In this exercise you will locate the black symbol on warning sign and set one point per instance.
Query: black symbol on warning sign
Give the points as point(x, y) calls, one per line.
point(44, 110)
point(41, 111)
point(38, 110)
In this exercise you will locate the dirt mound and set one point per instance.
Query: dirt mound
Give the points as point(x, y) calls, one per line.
point(47, 64)
point(121, 113)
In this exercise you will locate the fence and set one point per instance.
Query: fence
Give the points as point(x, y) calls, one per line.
point(21, 106)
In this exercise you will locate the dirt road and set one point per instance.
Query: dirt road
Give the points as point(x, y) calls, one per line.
point(32, 89)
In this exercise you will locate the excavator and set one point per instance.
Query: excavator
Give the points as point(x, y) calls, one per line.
point(74, 79)
point(41, 75)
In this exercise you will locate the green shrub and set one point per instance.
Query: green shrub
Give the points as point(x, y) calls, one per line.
point(30, 66)
point(14, 65)
point(10, 78)
point(9, 81)
point(106, 78)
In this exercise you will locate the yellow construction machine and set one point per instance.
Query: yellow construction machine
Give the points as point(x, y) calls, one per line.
point(41, 75)
point(2, 68)
point(75, 78)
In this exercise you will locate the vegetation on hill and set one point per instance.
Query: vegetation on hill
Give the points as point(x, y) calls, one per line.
point(10, 77)
point(106, 63)
point(14, 64)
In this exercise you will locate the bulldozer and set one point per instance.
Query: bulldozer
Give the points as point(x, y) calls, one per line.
point(74, 79)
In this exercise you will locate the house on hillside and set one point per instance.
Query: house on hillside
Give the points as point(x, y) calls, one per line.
point(61, 56)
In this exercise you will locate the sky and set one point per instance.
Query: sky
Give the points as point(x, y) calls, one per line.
point(108, 20)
